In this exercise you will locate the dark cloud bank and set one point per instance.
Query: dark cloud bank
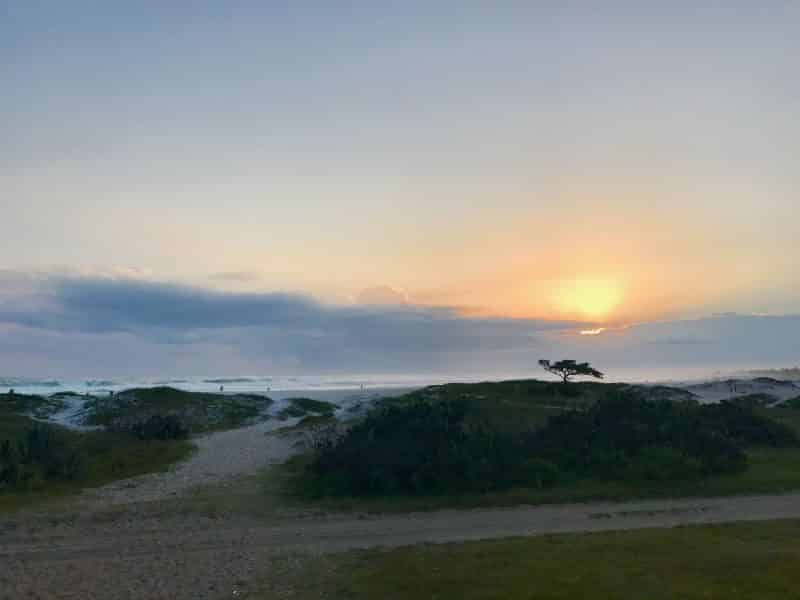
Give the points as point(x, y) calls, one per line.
point(74, 326)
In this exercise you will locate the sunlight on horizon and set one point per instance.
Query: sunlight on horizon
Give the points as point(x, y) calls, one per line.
point(594, 299)
point(595, 331)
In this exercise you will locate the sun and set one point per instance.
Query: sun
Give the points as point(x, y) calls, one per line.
point(588, 298)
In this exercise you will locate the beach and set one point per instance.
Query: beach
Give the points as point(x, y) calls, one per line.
point(207, 528)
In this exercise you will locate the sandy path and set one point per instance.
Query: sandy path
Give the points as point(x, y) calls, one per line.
point(193, 558)
point(227, 455)
point(220, 456)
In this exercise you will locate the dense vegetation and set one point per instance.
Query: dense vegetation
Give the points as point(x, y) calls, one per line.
point(519, 405)
point(39, 460)
point(158, 427)
point(44, 453)
point(415, 448)
point(44, 458)
point(440, 442)
point(625, 436)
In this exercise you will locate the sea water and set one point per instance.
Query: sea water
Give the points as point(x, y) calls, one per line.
point(266, 384)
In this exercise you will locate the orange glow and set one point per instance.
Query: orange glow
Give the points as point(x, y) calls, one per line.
point(593, 299)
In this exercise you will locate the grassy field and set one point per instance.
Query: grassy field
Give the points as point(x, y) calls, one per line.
point(748, 561)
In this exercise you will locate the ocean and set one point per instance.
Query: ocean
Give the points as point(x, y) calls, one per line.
point(267, 384)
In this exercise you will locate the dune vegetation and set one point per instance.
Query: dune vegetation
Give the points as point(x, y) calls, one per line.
point(129, 433)
point(303, 407)
point(40, 461)
point(40, 407)
point(197, 411)
point(532, 441)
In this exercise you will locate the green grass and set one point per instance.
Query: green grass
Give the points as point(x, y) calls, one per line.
point(109, 456)
point(748, 561)
point(199, 411)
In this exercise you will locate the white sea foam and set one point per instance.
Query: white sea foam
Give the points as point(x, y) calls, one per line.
point(270, 384)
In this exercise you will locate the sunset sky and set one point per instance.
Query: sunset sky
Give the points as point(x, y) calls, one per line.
point(496, 169)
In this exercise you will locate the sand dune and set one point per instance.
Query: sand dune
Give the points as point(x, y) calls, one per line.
point(716, 391)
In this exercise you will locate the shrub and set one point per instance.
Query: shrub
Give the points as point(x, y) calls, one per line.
point(315, 406)
point(752, 400)
point(43, 454)
point(663, 463)
point(433, 447)
point(421, 447)
point(159, 427)
point(622, 434)
point(300, 407)
point(742, 423)
point(537, 473)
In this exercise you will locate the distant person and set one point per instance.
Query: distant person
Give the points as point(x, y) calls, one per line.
point(11, 392)
point(221, 389)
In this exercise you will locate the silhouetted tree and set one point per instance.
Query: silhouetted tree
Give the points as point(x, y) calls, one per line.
point(570, 368)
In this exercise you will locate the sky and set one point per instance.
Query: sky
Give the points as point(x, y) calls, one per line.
point(395, 186)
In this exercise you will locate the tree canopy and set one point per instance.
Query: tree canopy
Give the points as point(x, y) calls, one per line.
point(570, 368)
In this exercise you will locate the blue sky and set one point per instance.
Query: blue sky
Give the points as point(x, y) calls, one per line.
point(509, 162)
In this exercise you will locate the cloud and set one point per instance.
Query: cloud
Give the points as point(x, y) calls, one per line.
point(95, 325)
point(721, 341)
point(382, 294)
point(276, 330)
point(236, 276)
point(683, 341)
point(110, 305)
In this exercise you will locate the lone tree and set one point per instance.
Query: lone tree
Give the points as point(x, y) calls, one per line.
point(569, 368)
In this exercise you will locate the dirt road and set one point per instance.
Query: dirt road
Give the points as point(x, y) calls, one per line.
point(191, 557)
